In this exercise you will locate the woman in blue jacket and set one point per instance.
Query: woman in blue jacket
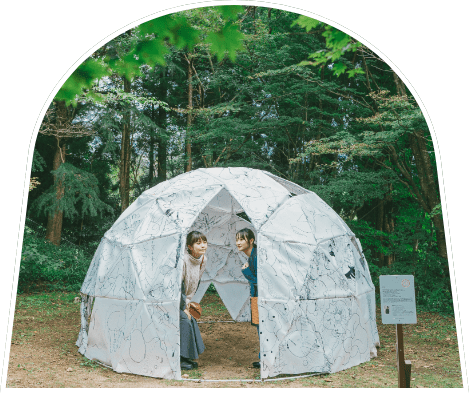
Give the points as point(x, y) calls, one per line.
point(245, 243)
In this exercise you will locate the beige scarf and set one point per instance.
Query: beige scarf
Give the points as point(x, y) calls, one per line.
point(192, 271)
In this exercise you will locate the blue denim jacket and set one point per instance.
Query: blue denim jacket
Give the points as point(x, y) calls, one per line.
point(251, 272)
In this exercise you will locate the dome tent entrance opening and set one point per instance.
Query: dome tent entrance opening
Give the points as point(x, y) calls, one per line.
point(316, 299)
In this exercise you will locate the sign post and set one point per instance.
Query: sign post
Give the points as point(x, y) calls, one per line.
point(398, 307)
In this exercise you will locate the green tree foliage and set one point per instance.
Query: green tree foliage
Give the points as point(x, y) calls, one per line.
point(149, 47)
point(80, 196)
point(37, 165)
point(232, 84)
point(337, 44)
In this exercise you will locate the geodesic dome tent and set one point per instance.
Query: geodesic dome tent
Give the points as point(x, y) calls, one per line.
point(316, 298)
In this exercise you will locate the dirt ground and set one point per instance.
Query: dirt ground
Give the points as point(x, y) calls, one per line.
point(43, 353)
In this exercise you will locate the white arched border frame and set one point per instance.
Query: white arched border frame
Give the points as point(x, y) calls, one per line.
point(211, 4)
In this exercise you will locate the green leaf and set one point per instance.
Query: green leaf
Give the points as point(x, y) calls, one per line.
point(229, 11)
point(339, 68)
point(336, 39)
point(229, 39)
point(175, 28)
point(150, 52)
point(82, 78)
point(128, 66)
point(183, 35)
point(306, 22)
point(158, 26)
point(355, 71)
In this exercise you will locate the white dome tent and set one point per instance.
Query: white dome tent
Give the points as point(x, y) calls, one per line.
point(316, 298)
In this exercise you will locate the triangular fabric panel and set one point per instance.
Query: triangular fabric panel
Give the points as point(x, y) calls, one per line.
point(184, 206)
point(290, 186)
point(304, 219)
point(154, 224)
point(110, 322)
point(119, 279)
point(89, 282)
point(199, 294)
point(258, 194)
point(155, 264)
point(134, 337)
point(210, 222)
point(233, 295)
point(124, 229)
point(132, 209)
point(216, 259)
point(231, 272)
point(152, 343)
point(317, 336)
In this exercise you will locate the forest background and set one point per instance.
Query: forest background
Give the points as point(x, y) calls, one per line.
point(237, 86)
point(383, 245)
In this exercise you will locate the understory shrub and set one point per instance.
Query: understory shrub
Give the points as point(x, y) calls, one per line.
point(431, 280)
point(59, 268)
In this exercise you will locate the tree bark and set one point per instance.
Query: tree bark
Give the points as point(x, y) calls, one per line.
point(124, 170)
point(151, 153)
point(189, 116)
point(55, 219)
point(400, 86)
point(429, 187)
point(162, 141)
point(388, 223)
point(379, 214)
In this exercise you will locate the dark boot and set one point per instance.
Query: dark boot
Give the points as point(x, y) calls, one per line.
point(187, 360)
point(185, 365)
point(194, 364)
point(256, 365)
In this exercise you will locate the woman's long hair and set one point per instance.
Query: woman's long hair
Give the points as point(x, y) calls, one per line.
point(247, 235)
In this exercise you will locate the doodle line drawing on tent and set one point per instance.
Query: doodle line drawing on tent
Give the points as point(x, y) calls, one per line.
point(316, 300)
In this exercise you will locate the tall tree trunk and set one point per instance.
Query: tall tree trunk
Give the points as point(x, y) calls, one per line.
point(189, 116)
point(418, 144)
point(429, 187)
point(124, 170)
point(151, 153)
point(54, 220)
point(379, 214)
point(379, 221)
point(400, 86)
point(388, 223)
point(162, 140)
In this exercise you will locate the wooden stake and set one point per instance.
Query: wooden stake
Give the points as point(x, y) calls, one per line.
point(400, 356)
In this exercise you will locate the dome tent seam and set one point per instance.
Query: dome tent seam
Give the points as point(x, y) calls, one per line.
point(130, 246)
point(284, 300)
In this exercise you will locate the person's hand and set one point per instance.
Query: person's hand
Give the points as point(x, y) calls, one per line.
point(188, 314)
point(246, 265)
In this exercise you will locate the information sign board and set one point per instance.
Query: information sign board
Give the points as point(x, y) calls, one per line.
point(397, 299)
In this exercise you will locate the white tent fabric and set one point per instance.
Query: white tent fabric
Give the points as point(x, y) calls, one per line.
point(316, 298)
